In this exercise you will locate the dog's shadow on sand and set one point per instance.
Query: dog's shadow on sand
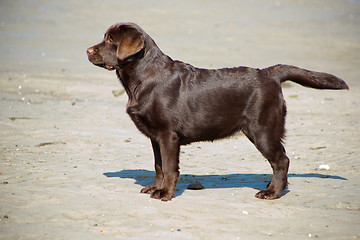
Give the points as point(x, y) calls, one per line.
point(256, 181)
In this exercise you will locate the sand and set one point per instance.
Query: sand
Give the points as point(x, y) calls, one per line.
point(72, 163)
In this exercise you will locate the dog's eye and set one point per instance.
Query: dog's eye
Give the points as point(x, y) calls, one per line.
point(109, 39)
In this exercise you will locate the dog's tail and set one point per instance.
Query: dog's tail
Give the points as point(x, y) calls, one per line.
point(305, 77)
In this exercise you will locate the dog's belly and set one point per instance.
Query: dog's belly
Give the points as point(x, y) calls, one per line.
point(208, 132)
point(211, 121)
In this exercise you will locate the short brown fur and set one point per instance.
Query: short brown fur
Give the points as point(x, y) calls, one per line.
point(174, 103)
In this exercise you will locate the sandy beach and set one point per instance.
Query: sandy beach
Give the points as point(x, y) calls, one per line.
point(72, 163)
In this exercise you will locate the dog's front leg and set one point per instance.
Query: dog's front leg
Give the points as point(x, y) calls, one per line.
point(158, 169)
point(169, 150)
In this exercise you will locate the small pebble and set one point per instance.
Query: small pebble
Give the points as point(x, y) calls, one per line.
point(118, 93)
point(324, 167)
point(195, 186)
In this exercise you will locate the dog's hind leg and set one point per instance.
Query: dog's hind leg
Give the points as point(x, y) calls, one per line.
point(280, 165)
point(266, 135)
point(274, 152)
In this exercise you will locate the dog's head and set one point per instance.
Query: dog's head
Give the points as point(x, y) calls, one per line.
point(122, 43)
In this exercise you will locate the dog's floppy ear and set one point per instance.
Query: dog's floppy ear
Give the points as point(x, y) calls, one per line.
point(131, 42)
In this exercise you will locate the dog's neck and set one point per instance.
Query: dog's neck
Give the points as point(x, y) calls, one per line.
point(131, 71)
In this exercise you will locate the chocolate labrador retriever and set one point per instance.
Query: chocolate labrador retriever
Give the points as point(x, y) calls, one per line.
point(174, 103)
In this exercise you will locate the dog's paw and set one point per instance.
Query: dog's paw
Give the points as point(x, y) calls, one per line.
point(267, 194)
point(162, 195)
point(148, 189)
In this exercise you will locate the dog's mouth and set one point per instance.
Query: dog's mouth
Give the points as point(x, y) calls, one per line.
point(106, 66)
point(99, 61)
point(109, 67)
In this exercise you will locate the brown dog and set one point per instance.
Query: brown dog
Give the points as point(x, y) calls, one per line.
point(174, 103)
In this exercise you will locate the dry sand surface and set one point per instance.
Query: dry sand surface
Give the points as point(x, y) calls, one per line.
point(72, 163)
